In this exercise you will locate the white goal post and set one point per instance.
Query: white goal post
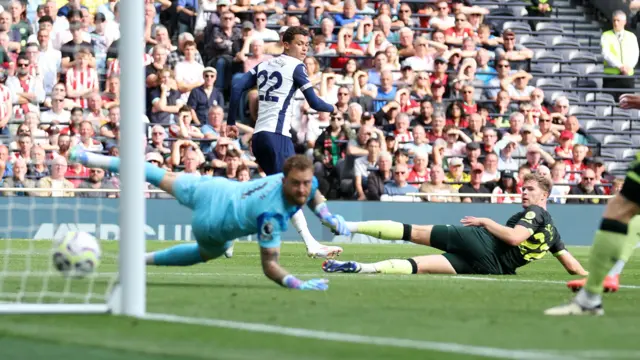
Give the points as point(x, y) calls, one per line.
point(28, 284)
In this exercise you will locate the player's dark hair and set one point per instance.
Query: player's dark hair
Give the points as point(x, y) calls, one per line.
point(543, 182)
point(291, 33)
point(297, 162)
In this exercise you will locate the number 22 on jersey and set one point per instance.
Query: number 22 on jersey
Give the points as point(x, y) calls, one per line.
point(264, 78)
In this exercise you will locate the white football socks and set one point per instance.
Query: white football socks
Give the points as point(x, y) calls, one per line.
point(300, 223)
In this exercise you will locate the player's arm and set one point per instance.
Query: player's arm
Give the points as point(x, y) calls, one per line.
point(512, 236)
point(570, 263)
point(270, 227)
point(301, 81)
point(318, 204)
point(246, 82)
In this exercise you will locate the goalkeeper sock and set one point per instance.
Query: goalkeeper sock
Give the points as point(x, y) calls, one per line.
point(179, 255)
point(152, 173)
point(610, 242)
point(300, 223)
point(393, 266)
point(385, 230)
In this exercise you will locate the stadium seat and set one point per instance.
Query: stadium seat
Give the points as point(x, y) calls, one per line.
point(577, 55)
point(547, 55)
point(601, 125)
point(564, 69)
point(565, 41)
point(582, 111)
point(531, 41)
point(617, 140)
point(548, 84)
point(549, 27)
point(599, 98)
point(516, 25)
point(629, 154)
point(617, 168)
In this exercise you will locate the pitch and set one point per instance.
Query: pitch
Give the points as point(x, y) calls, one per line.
point(445, 317)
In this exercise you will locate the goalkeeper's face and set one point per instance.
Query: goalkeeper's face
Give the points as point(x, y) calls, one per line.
point(297, 186)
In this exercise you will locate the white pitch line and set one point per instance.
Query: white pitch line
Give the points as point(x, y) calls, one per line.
point(361, 339)
point(382, 277)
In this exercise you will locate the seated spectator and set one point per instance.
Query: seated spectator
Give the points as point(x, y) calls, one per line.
point(475, 186)
point(420, 171)
point(459, 31)
point(56, 182)
point(601, 181)
point(86, 137)
point(233, 161)
point(489, 140)
point(81, 80)
point(95, 112)
point(576, 165)
point(454, 146)
point(484, 72)
point(191, 162)
point(491, 173)
point(565, 148)
point(386, 90)
point(586, 186)
point(96, 181)
point(472, 153)
point(437, 128)
point(345, 46)
point(547, 133)
point(420, 142)
point(23, 146)
point(456, 175)
point(517, 85)
point(182, 147)
point(560, 188)
point(18, 180)
point(76, 173)
point(425, 116)
point(573, 125)
point(57, 112)
point(165, 101)
point(507, 188)
point(112, 127)
point(158, 143)
point(439, 72)
point(616, 186)
point(456, 115)
point(506, 160)
point(536, 157)
point(377, 179)
point(184, 129)
point(442, 20)
point(474, 130)
point(399, 185)
point(423, 59)
point(27, 90)
point(64, 146)
point(503, 68)
point(38, 168)
point(516, 54)
point(436, 185)
point(363, 164)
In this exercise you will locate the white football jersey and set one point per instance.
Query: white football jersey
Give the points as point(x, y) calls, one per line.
point(277, 80)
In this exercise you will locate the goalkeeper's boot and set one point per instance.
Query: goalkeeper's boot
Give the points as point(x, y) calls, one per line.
point(611, 284)
point(229, 252)
point(77, 154)
point(324, 251)
point(340, 266)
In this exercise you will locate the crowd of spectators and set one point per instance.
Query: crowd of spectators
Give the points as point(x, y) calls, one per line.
point(432, 98)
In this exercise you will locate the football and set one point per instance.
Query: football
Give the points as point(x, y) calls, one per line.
point(77, 254)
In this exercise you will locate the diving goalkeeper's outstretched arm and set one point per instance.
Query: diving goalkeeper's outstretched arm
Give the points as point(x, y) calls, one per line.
point(272, 269)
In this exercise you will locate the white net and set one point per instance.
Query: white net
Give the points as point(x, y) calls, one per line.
point(28, 225)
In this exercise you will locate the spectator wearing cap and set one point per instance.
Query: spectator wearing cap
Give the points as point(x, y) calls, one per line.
point(510, 50)
point(503, 68)
point(18, 180)
point(472, 155)
point(377, 179)
point(456, 141)
point(439, 72)
point(96, 181)
point(506, 160)
point(420, 171)
point(27, 90)
point(586, 186)
point(456, 175)
point(363, 164)
point(565, 148)
point(56, 183)
point(202, 98)
point(442, 20)
point(506, 189)
point(399, 185)
point(576, 164)
point(436, 185)
point(475, 186)
point(188, 72)
point(491, 172)
point(260, 30)
point(573, 125)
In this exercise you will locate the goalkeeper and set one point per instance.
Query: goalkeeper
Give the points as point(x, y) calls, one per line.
point(480, 246)
point(224, 210)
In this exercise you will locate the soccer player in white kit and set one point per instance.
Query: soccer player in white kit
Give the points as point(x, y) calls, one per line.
point(277, 80)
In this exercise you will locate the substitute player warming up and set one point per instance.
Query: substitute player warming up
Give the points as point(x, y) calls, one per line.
point(614, 242)
point(277, 80)
point(479, 246)
point(224, 210)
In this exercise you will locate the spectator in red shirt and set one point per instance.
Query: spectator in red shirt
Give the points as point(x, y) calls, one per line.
point(437, 128)
point(437, 92)
point(439, 71)
point(456, 34)
point(345, 46)
point(469, 105)
point(76, 173)
point(565, 149)
point(576, 165)
point(402, 132)
point(420, 171)
point(456, 115)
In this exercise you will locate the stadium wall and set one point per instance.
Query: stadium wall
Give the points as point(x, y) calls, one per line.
point(47, 218)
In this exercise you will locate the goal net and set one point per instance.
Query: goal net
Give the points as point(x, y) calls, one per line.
point(29, 282)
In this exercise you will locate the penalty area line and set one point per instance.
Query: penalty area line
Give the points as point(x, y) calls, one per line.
point(359, 339)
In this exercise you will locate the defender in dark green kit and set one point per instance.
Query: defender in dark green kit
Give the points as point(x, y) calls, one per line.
point(479, 246)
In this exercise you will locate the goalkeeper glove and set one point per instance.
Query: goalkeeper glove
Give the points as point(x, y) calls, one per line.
point(337, 224)
point(292, 282)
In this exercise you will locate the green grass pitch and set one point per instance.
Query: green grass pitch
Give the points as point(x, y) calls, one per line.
point(495, 313)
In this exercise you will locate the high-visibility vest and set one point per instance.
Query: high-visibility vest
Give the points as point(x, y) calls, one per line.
point(610, 41)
